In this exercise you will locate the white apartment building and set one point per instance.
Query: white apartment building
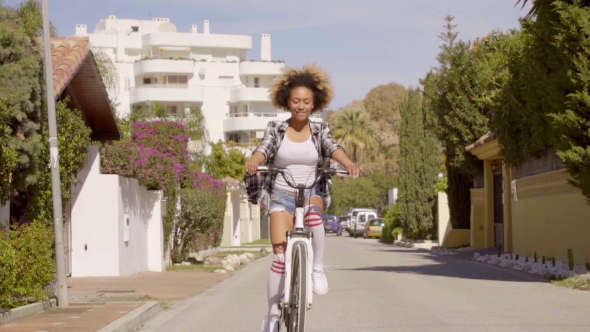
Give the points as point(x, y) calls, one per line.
point(157, 63)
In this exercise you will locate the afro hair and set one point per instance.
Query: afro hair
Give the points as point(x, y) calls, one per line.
point(310, 76)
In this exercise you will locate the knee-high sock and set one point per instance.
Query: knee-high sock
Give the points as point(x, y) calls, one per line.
point(313, 220)
point(275, 284)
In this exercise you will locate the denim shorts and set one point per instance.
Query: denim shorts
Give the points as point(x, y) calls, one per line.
point(281, 200)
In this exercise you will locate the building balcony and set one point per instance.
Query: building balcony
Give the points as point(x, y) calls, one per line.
point(251, 121)
point(178, 39)
point(164, 66)
point(166, 93)
point(241, 93)
point(261, 68)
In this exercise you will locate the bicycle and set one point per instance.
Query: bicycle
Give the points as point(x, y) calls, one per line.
point(297, 296)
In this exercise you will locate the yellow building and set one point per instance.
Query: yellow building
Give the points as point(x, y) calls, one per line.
point(530, 208)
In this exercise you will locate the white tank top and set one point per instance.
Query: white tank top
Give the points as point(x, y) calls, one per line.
point(301, 159)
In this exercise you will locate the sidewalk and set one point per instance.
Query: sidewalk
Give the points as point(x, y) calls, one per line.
point(97, 302)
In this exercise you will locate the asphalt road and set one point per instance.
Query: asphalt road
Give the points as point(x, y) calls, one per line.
point(376, 287)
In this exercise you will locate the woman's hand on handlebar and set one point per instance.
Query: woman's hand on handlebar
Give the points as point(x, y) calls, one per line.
point(353, 170)
point(252, 167)
point(253, 163)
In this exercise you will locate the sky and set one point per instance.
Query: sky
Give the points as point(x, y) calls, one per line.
point(361, 44)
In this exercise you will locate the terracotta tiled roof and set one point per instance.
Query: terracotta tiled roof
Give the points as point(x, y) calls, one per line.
point(75, 68)
point(67, 55)
point(481, 141)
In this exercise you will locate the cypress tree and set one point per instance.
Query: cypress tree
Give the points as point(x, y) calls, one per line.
point(419, 162)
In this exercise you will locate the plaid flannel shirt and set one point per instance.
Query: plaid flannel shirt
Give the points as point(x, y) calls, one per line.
point(258, 187)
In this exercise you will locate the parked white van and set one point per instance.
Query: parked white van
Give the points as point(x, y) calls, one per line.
point(361, 221)
point(353, 213)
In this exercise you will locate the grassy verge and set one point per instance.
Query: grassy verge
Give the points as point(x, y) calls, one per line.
point(211, 268)
point(264, 242)
point(580, 282)
point(196, 267)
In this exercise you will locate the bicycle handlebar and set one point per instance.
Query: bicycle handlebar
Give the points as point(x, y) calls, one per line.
point(322, 170)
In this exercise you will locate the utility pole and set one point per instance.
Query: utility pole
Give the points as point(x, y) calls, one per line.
point(62, 287)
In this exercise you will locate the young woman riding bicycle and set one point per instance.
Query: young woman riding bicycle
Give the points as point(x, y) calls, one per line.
point(301, 146)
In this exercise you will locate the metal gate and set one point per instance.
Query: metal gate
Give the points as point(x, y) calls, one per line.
point(498, 210)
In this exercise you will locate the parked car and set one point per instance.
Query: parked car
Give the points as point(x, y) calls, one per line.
point(361, 220)
point(374, 228)
point(343, 224)
point(331, 224)
point(351, 224)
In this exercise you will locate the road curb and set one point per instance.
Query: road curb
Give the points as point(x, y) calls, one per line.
point(134, 319)
point(25, 311)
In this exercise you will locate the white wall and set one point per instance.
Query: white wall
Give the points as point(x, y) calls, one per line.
point(444, 216)
point(99, 206)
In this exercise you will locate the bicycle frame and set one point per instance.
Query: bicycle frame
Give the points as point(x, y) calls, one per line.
point(299, 234)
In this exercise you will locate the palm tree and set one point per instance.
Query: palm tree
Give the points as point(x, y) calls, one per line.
point(353, 130)
point(533, 10)
point(30, 13)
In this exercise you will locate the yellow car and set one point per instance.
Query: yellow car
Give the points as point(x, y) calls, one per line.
point(374, 228)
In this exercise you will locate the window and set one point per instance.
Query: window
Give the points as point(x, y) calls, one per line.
point(376, 222)
point(256, 82)
point(135, 29)
point(171, 109)
point(147, 80)
point(362, 218)
point(177, 79)
point(226, 80)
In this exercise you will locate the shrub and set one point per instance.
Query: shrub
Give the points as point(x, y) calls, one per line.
point(116, 158)
point(200, 221)
point(392, 223)
point(26, 265)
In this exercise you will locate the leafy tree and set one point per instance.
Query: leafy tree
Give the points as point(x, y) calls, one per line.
point(20, 104)
point(223, 163)
point(419, 164)
point(73, 139)
point(383, 107)
point(30, 15)
point(457, 93)
point(366, 191)
point(545, 103)
point(572, 41)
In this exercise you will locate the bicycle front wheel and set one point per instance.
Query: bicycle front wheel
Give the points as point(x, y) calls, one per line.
point(298, 293)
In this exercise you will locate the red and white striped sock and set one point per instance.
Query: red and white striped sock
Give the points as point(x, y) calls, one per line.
point(275, 284)
point(313, 220)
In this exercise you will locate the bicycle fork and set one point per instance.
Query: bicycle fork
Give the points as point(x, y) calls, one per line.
point(294, 237)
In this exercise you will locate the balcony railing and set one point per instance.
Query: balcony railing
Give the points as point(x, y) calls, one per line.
point(166, 86)
point(285, 115)
point(253, 114)
point(166, 93)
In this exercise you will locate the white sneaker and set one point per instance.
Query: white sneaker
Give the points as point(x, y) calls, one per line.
point(320, 282)
point(270, 323)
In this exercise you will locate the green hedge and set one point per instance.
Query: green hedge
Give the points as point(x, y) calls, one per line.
point(26, 265)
